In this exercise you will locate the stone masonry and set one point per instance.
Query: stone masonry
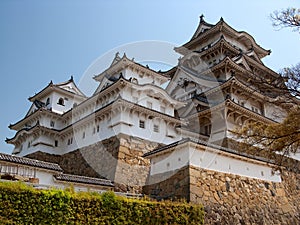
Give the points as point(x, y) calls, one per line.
point(227, 198)
point(232, 199)
point(118, 159)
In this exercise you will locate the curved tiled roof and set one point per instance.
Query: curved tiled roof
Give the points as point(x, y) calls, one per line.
point(29, 162)
point(83, 179)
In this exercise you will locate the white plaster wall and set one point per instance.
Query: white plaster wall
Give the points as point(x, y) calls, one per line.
point(212, 161)
point(33, 149)
point(45, 139)
point(45, 177)
point(170, 161)
point(274, 112)
point(121, 123)
point(142, 98)
point(68, 104)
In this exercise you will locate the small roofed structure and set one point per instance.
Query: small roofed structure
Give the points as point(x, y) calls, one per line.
point(46, 175)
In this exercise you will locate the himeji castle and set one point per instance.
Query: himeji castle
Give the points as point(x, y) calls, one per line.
point(160, 133)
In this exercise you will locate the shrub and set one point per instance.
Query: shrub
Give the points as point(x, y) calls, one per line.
point(20, 204)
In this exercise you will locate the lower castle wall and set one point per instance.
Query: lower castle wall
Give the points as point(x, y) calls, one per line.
point(118, 159)
point(232, 199)
point(227, 198)
point(169, 185)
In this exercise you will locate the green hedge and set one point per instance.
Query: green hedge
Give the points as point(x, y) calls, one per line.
point(20, 204)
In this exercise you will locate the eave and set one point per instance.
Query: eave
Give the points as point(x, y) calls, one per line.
point(91, 117)
point(260, 66)
point(221, 43)
point(20, 124)
point(228, 103)
point(159, 90)
point(248, 112)
point(83, 180)
point(29, 131)
point(206, 146)
point(51, 88)
point(225, 62)
point(223, 27)
point(169, 73)
point(123, 63)
point(30, 162)
point(234, 81)
point(121, 82)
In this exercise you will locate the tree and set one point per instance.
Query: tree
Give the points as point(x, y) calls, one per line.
point(289, 17)
point(278, 140)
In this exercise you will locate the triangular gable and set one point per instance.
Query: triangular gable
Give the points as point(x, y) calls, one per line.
point(202, 27)
point(71, 87)
point(242, 62)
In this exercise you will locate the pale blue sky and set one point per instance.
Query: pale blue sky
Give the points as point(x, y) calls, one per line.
point(52, 40)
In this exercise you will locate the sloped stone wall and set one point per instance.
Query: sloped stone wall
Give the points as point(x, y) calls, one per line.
point(171, 185)
point(232, 199)
point(227, 198)
point(71, 163)
point(118, 159)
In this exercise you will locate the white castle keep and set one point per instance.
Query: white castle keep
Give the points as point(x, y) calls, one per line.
point(158, 122)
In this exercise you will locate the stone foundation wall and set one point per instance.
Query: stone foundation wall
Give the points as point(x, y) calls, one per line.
point(132, 169)
point(227, 198)
point(118, 159)
point(232, 199)
point(172, 185)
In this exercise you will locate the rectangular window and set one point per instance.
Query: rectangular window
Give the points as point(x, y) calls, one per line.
point(142, 124)
point(83, 135)
point(52, 123)
point(98, 128)
point(70, 141)
point(156, 128)
point(55, 143)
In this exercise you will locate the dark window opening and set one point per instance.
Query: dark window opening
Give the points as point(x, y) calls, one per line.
point(61, 101)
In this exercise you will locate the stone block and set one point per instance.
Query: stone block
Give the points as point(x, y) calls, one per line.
point(280, 192)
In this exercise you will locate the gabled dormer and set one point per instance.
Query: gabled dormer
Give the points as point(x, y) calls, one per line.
point(130, 70)
point(58, 98)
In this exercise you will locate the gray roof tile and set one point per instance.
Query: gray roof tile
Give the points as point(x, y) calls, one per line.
point(83, 179)
point(29, 162)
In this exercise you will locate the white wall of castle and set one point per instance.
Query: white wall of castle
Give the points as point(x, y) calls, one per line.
point(124, 122)
point(210, 159)
point(60, 109)
point(248, 103)
point(274, 112)
point(45, 177)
